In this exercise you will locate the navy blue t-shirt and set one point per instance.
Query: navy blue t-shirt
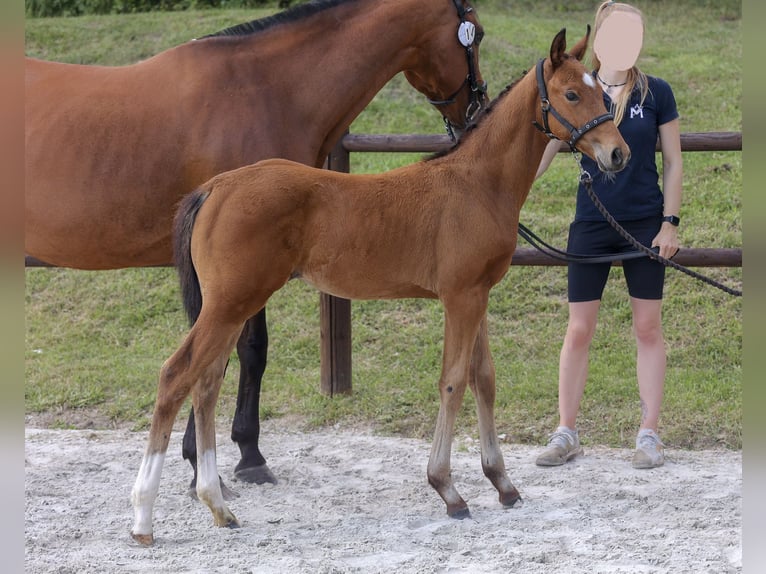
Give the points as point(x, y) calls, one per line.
point(635, 192)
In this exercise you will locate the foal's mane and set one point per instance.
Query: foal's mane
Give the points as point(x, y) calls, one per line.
point(479, 119)
point(291, 15)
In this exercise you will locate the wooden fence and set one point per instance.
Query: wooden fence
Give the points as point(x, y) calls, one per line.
point(335, 313)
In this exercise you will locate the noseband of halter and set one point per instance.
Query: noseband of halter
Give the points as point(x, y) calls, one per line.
point(465, 35)
point(545, 104)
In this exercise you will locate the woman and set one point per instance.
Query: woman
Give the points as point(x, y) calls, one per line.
point(645, 109)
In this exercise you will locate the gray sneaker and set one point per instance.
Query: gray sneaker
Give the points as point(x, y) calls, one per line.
point(563, 445)
point(649, 450)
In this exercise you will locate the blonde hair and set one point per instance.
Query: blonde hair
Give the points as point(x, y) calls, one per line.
point(636, 78)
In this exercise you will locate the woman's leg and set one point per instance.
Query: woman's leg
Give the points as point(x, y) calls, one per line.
point(573, 360)
point(650, 358)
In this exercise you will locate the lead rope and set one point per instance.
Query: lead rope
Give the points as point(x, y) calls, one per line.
point(587, 180)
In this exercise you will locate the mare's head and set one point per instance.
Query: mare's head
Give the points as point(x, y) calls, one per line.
point(572, 106)
point(445, 67)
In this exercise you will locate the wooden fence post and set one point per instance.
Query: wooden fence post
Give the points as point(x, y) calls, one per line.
point(335, 316)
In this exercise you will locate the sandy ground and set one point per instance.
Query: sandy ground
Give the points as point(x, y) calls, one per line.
point(349, 501)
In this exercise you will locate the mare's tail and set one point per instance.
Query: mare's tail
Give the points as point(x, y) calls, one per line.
point(182, 234)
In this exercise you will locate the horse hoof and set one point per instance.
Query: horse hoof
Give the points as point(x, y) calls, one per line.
point(226, 520)
point(459, 513)
point(255, 475)
point(143, 539)
point(509, 499)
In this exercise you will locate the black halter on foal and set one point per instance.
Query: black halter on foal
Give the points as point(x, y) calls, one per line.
point(465, 34)
point(545, 104)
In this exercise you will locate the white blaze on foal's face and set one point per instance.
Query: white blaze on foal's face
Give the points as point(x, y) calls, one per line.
point(588, 80)
point(618, 40)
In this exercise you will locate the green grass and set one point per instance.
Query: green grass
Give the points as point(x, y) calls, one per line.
point(95, 340)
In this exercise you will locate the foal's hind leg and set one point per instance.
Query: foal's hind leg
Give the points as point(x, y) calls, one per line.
point(189, 452)
point(174, 386)
point(482, 384)
point(204, 397)
point(177, 376)
point(252, 349)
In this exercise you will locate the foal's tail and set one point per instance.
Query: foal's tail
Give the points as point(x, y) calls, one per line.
point(182, 235)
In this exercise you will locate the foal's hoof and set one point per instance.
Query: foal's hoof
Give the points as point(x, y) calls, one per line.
point(143, 539)
point(226, 520)
point(255, 475)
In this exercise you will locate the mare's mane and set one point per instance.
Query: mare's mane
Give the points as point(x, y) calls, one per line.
point(483, 113)
point(291, 15)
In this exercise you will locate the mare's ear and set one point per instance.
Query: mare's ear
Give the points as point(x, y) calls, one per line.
point(581, 47)
point(558, 48)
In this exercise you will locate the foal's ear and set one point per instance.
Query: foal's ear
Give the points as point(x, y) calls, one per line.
point(581, 47)
point(558, 48)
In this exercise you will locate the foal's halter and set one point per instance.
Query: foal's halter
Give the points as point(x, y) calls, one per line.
point(465, 34)
point(545, 104)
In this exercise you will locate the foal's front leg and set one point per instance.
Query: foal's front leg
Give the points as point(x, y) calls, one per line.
point(461, 324)
point(482, 384)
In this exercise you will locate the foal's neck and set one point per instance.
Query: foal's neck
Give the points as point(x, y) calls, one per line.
point(505, 150)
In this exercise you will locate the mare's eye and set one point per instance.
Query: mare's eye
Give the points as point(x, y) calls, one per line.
point(572, 96)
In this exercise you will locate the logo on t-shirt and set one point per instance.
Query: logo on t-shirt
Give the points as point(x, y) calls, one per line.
point(637, 110)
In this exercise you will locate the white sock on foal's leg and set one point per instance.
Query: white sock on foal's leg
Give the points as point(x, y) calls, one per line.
point(144, 494)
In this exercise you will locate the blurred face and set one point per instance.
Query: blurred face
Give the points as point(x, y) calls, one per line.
point(618, 41)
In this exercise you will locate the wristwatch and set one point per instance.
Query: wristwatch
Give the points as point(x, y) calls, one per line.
point(672, 219)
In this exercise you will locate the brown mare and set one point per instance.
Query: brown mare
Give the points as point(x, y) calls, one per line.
point(443, 228)
point(110, 151)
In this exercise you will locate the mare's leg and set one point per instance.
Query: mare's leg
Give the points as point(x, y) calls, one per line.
point(461, 323)
point(204, 397)
point(252, 349)
point(482, 384)
point(177, 377)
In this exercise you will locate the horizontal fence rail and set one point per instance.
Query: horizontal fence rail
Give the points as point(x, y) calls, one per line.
point(688, 257)
point(690, 141)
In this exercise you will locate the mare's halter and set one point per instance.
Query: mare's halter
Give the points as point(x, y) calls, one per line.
point(545, 104)
point(466, 33)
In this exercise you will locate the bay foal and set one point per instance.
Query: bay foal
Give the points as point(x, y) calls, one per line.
point(443, 228)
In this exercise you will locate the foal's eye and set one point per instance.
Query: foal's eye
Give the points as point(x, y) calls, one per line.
point(572, 96)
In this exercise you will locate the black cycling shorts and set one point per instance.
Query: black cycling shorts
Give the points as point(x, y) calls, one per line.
point(645, 276)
